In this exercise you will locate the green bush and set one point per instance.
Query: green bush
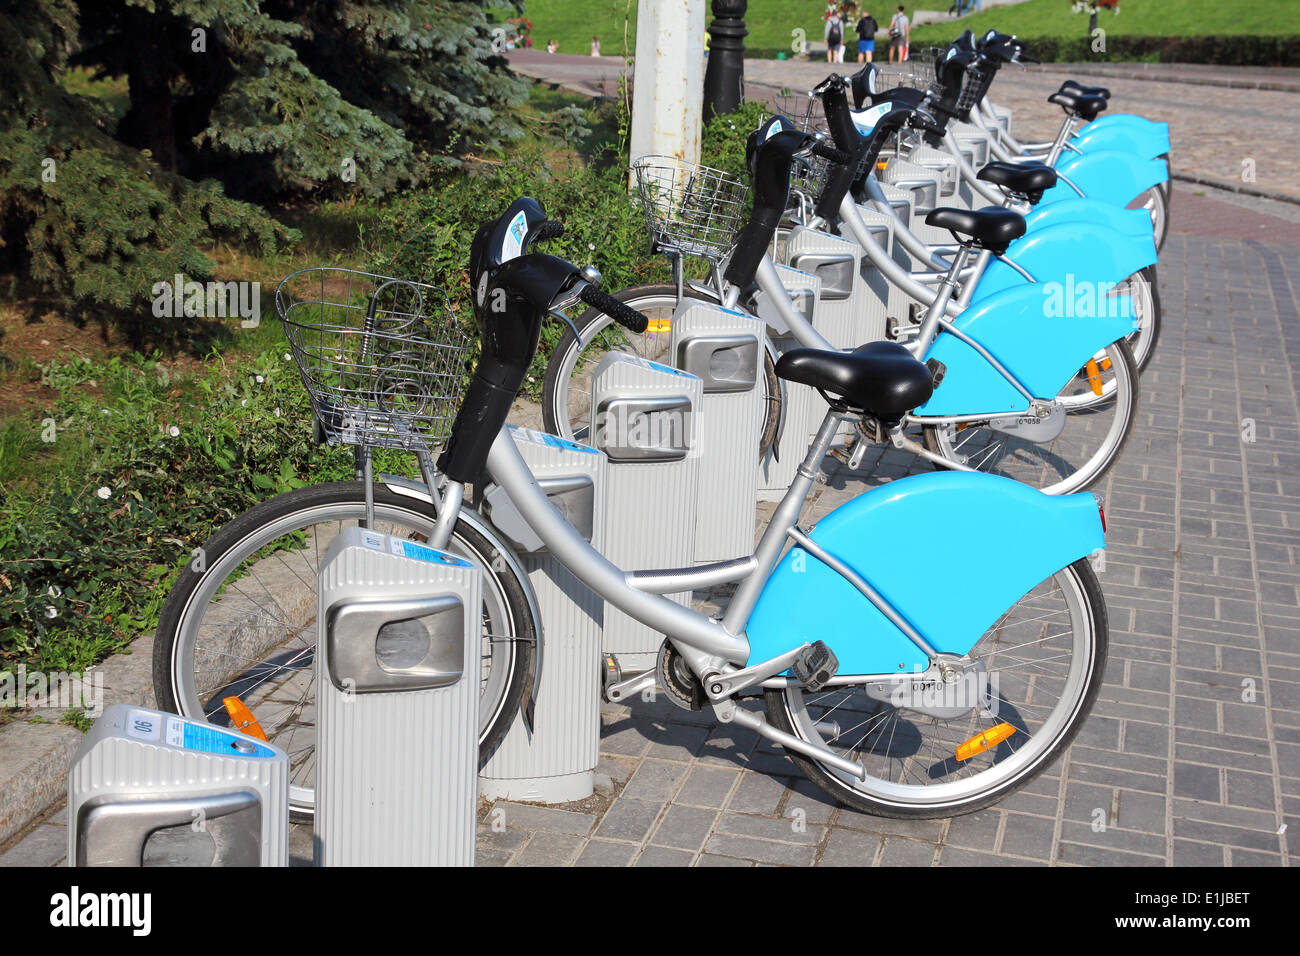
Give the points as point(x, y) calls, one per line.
point(152, 467)
point(426, 235)
point(144, 467)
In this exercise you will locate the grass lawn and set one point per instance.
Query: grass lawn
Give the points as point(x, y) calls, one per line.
point(1042, 18)
point(770, 22)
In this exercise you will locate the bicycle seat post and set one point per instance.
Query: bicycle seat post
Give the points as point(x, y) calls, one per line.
point(943, 294)
point(1062, 136)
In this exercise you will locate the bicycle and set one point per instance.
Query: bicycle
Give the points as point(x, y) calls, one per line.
point(382, 360)
point(1123, 161)
point(926, 708)
point(1028, 450)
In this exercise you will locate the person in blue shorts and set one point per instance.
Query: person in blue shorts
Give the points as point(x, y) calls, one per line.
point(867, 29)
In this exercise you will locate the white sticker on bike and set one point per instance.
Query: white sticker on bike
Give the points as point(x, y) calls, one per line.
point(866, 120)
point(513, 243)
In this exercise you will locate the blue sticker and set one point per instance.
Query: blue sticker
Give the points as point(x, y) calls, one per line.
point(420, 553)
point(212, 740)
point(513, 242)
point(667, 368)
point(557, 442)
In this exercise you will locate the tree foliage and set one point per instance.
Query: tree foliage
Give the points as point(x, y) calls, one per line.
point(231, 104)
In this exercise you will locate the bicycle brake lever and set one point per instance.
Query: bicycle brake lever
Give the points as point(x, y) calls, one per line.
point(567, 321)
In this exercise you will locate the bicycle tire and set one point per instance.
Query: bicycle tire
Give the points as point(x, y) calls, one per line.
point(781, 706)
point(283, 511)
point(1124, 356)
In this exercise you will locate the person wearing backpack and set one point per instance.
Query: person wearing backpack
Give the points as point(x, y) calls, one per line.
point(834, 36)
point(867, 29)
point(900, 29)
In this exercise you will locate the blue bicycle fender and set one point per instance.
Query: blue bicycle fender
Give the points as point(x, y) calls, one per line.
point(1145, 142)
point(1125, 121)
point(1085, 250)
point(1107, 175)
point(1042, 333)
point(995, 539)
point(1130, 222)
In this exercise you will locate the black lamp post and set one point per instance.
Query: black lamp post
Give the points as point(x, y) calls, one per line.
point(724, 79)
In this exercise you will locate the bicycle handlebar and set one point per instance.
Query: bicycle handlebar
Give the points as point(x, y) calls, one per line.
point(624, 315)
point(839, 157)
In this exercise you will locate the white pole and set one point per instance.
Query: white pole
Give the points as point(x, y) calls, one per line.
point(668, 86)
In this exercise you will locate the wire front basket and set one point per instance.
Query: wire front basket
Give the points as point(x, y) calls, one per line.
point(805, 110)
point(384, 360)
point(916, 72)
point(690, 208)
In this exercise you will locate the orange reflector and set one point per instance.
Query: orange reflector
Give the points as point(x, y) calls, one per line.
point(881, 165)
point(982, 742)
point(1104, 364)
point(1094, 376)
point(243, 718)
point(659, 325)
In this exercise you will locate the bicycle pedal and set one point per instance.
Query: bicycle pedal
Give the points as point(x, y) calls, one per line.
point(815, 666)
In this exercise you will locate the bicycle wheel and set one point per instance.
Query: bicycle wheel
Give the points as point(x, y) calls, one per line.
point(566, 389)
point(1145, 298)
point(1141, 286)
point(243, 621)
point(1156, 202)
point(1090, 439)
point(1039, 670)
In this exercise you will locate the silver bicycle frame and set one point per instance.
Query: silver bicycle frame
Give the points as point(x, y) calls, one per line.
point(716, 649)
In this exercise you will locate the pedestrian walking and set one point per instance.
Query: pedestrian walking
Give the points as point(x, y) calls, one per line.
point(900, 35)
point(833, 35)
point(867, 29)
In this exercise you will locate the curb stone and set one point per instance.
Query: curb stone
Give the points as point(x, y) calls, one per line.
point(34, 756)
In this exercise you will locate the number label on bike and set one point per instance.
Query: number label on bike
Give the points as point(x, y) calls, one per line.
point(144, 726)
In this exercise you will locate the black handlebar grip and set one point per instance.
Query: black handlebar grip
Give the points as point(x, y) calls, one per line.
point(1026, 58)
point(550, 230)
point(624, 315)
point(837, 156)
